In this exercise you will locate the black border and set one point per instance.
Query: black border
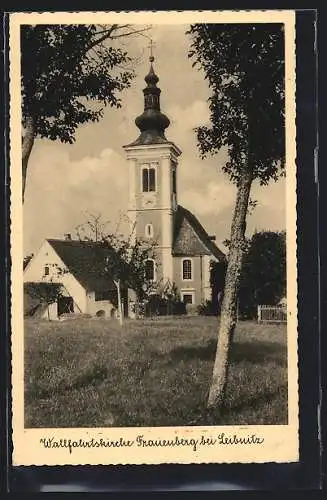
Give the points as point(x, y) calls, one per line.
point(302, 475)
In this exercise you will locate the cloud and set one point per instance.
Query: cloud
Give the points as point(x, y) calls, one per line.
point(211, 200)
point(61, 190)
point(187, 118)
point(272, 196)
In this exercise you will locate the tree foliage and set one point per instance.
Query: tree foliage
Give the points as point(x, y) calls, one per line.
point(43, 293)
point(127, 263)
point(64, 68)
point(244, 67)
point(46, 292)
point(263, 278)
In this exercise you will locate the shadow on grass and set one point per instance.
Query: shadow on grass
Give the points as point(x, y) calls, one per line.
point(257, 353)
point(255, 403)
point(91, 377)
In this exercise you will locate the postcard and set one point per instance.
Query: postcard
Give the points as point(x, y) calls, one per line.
point(153, 237)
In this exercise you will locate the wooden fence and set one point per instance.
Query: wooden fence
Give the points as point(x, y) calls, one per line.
point(272, 314)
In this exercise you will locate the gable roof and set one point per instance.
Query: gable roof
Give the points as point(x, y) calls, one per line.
point(190, 237)
point(84, 260)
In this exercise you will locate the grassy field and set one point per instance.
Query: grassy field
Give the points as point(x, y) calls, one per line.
point(156, 372)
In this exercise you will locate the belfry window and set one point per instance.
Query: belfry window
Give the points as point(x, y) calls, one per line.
point(187, 269)
point(151, 101)
point(150, 270)
point(174, 182)
point(148, 179)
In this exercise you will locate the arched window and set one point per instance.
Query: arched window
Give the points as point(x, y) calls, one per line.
point(149, 270)
point(187, 269)
point(148, 179)
point(149, 231)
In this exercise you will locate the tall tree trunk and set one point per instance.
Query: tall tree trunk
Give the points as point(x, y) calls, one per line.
point(28, 141)
point(229, 304)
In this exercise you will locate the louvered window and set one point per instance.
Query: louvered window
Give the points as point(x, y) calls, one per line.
point(148, 179)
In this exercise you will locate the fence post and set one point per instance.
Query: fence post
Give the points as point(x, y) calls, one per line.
point(259, 314)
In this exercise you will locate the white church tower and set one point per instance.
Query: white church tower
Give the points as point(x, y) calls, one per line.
point(153, 165)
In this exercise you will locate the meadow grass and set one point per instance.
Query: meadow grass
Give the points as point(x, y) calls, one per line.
point(154, 372)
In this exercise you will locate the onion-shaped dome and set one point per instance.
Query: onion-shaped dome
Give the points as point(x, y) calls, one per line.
point(152, 122)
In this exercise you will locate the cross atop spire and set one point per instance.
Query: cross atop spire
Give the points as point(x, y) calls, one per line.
point(150, 46)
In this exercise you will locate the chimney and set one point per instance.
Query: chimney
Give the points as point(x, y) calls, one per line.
point(68, 237)
point(212, 238)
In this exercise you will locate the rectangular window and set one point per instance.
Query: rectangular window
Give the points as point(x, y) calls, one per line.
point(46, 270)
point(187, 269)
point(188, 298)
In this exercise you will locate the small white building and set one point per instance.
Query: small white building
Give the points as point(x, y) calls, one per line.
point(78, 267)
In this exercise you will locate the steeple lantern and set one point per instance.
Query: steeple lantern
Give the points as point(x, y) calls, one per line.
point(152, 123)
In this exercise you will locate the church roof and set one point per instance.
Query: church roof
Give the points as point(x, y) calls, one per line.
point(190, 237)
point(84, 259)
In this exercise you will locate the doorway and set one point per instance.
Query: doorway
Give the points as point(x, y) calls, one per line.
point(65, 305)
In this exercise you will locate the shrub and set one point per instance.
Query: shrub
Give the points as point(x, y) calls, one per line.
point(159, 306)
point(179, 308)
point(207, 308)
point(191, 309)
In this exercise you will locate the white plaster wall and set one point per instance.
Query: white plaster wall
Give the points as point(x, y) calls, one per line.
point(46, 256)
point(93, 306)
point(167, 218)
point(167, 264)
point(53, 312)
point(164, 154)
point(206, 289)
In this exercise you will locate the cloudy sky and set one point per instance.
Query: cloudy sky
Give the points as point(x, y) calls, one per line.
point(65, 182)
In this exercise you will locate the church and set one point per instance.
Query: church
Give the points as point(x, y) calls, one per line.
point(183, 248)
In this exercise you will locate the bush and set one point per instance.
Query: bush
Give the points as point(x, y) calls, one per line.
point(179, 308)
point(191, 309)
point(159, 306)
point(207, 308)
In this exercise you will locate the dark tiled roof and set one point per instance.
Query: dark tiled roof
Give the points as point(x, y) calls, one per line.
point(148, 137)
point(84, 259)
point(190, 238)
